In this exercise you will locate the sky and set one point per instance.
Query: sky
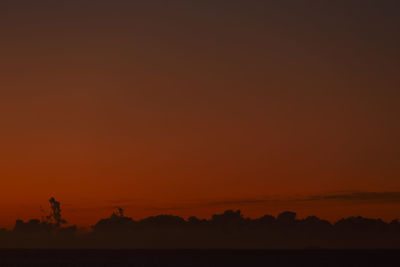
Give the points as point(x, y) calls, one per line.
point(195, 107)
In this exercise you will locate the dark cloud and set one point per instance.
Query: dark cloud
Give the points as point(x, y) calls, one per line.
point(238, 202)
point(169, 208)
point(374, 197)
point(389, 197)
point(371, 197)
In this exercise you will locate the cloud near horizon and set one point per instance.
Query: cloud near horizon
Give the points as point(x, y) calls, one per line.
point(370, 197)
point(378, 197)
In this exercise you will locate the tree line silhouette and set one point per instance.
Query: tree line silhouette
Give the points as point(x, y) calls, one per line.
point(229, 230)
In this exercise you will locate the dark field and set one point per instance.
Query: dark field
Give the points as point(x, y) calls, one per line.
point(199, 258)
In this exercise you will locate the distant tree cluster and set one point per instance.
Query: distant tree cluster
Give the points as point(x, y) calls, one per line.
point(229, 230)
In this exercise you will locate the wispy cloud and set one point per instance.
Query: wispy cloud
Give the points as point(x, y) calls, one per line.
point(374, 197)
point(169, 208)
point(238, 202)
point(388, 197)
point(367, 197)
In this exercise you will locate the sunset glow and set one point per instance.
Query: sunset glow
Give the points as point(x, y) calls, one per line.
point(195, 107)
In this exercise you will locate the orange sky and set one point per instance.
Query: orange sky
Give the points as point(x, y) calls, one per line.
point(194, 108)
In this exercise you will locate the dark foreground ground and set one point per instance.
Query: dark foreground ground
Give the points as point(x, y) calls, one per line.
point(199, 258)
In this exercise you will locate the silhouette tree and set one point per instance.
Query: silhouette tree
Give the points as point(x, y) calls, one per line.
point(229, 229)
point(117, 222)
point(55, 214)
point(287, 217)
point(120, 212)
